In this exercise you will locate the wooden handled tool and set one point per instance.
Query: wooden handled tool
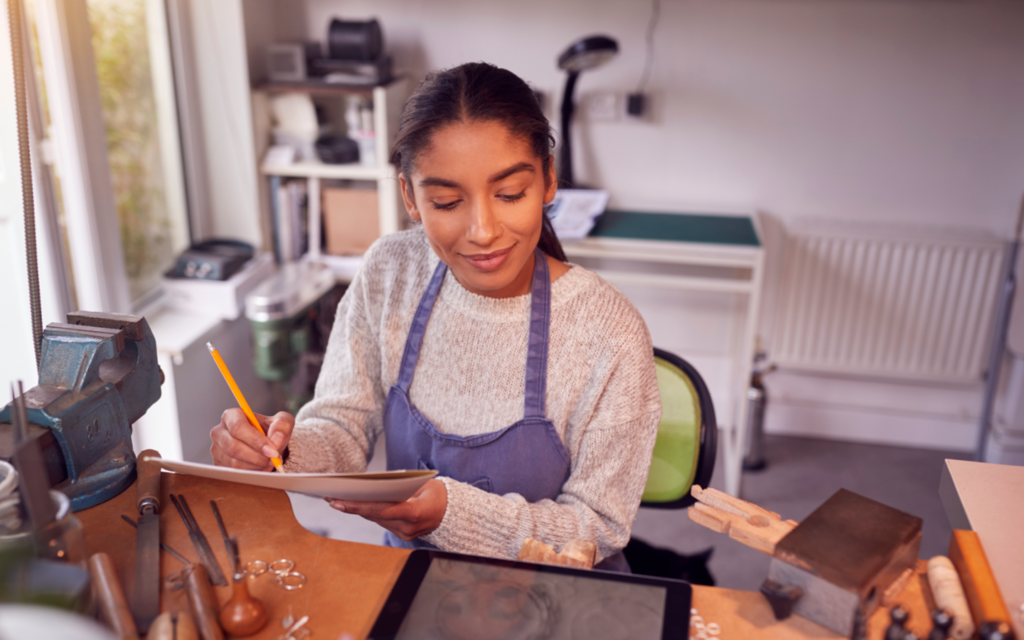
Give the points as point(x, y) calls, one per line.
point(146, 600)
point(990, 613)
point(169, 625)
point(745, 522)
point(949, 596)
point(203, 602)
point(110, 595)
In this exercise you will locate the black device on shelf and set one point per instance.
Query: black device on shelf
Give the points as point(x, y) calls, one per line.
point(362, 41)
point(335, 149)
point(212, 260)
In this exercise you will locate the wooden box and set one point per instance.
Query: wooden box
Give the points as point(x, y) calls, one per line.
point(351, 220)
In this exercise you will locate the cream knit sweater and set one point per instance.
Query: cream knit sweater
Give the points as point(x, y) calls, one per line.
point(602, 395)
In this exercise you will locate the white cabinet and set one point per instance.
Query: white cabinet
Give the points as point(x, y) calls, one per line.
point(388, 101)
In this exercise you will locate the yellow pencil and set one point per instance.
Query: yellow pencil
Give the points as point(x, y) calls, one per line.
point(238, 396)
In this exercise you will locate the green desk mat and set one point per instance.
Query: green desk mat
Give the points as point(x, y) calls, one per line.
point(677, 227)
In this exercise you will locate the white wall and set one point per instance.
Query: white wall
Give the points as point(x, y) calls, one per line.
point(902, 111)
point(899, 110)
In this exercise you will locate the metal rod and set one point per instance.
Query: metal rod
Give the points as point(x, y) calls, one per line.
point(14, 25)
point(999, 332)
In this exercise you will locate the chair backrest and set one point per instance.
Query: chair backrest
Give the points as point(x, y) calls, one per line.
point(684, 453)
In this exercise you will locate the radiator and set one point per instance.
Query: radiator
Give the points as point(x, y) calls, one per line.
point(885, 303)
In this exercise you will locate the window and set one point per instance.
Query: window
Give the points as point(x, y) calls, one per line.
point(130, 45)
point(107, 88)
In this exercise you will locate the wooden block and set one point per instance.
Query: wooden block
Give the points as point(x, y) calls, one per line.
point(536, 551)
point(576, 553)
point(579, 553)
point(980, 588)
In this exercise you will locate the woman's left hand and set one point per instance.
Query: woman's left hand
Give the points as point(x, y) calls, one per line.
point(417, 516)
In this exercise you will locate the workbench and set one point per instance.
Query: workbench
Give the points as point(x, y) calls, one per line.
point(347, 582)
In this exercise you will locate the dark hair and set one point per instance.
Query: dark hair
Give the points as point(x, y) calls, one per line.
point(476, 92)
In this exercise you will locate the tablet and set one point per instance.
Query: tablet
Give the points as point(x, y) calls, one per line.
point(448, 596)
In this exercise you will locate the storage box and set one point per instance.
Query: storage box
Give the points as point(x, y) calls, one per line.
point(351, 220)
point(218, 299)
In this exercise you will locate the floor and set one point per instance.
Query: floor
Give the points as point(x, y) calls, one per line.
point(801, 474)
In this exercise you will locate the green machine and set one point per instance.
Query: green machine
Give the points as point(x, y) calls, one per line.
point(285, 313)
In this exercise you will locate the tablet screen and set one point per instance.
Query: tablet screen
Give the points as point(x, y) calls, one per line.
point(464, 597)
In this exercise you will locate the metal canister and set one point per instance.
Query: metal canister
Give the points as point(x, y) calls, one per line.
point(757, 400)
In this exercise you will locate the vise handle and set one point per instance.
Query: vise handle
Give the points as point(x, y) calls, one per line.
point(149, 481)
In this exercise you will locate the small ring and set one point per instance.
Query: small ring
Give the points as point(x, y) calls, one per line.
point(281, 566)
point(256, 567)
point(713, 628)
point(291, 580)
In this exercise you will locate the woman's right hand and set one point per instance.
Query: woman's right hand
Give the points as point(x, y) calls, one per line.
point(238, 444)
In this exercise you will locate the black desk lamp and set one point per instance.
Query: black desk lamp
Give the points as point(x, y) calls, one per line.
point(587, 53)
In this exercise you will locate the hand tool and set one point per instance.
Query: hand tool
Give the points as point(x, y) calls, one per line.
point(203, 603)
point(163, 546)
point(146, 600)
point(987, 605)
point(949, 596)
point(98, 375)
point(231, 544)
point(250, 416)
point(108, 591)
point(36, 504)
point(173, 625)
point(199, 542)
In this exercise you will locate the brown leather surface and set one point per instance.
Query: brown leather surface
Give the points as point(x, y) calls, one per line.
point(346, 582)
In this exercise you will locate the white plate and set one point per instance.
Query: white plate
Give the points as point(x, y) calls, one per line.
point(385, 486)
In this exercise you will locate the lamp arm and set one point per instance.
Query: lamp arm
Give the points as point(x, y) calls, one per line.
point(565, 173)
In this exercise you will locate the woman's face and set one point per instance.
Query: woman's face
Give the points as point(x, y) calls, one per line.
point(479, 192)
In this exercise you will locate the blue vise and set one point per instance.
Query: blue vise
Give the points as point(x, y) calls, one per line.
point(98, 375)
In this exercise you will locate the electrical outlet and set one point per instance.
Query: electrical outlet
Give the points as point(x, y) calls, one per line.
point(603, 106)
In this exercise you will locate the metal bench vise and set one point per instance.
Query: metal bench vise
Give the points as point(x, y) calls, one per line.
point(98, 375)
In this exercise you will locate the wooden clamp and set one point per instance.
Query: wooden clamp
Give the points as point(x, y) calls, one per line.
point(745, 522)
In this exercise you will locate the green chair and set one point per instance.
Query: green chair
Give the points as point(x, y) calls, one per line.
point(684, 453)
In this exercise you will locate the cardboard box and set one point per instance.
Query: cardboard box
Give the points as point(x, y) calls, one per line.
point(351, 220)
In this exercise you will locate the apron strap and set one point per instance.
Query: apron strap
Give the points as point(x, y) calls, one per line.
point(537, 351)
point(419, 328)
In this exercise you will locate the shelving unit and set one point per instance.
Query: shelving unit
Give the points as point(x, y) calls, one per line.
point(388, 101)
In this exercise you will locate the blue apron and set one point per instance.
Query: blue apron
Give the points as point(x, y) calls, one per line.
point(527, 457)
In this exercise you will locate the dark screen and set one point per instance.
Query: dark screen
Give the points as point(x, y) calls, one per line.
point(469, 600)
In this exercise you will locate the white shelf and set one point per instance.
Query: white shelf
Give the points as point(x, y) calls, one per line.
point(353, 171)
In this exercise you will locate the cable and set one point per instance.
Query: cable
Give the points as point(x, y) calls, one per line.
point(14, 24)
point(649, 61)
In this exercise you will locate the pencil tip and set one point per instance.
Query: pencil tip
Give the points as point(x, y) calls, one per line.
point(209, 347)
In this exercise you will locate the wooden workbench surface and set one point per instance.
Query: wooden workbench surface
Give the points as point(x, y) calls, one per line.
point(347, 582)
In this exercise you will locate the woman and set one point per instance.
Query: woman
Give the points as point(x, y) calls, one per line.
point(471, 344)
